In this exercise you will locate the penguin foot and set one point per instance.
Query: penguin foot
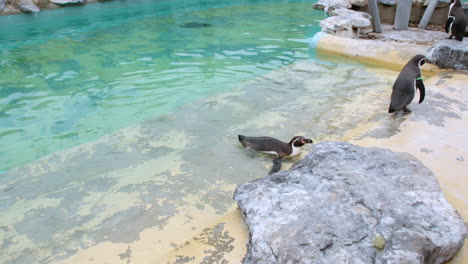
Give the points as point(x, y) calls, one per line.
point(276, 165)
point(252, 153)
point(406, 111)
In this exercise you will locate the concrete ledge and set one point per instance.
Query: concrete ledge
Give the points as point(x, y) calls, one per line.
point(384, 54)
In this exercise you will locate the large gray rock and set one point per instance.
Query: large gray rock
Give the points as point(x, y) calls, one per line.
point(358, 3)
point(388, 2)
point(449, 54)
point(2, 4)
point(28, 6)
point(330, 5)
point(68, 2)
point(348, 204)
point(346, 23)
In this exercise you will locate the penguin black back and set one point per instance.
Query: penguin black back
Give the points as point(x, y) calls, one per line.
point(405, 85)
point(273, 145)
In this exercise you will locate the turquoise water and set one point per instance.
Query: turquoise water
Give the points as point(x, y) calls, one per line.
point(72, 75)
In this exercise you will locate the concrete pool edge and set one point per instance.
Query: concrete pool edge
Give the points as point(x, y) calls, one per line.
point(384, 54)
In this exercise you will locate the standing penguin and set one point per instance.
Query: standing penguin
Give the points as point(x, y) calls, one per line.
point(405, 85)
point(456, 21)
point(276, 147)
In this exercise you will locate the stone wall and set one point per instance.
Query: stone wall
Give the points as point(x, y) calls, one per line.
point(387, 9)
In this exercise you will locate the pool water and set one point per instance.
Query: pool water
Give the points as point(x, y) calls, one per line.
point(72, 75)
point(119, 127)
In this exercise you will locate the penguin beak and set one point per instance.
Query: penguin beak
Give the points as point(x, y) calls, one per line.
point(308, 140)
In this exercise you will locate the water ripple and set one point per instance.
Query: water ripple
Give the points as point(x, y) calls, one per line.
point(78, 78)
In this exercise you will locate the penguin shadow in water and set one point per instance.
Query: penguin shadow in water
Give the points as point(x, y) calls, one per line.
point(195, 25)
point(406, 84)
point(276, 147)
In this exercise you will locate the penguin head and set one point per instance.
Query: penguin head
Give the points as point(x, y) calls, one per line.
point(300, 141)
point(456, 3)
point(419, 60)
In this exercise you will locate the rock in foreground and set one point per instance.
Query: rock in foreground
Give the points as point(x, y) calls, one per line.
point(348, 204)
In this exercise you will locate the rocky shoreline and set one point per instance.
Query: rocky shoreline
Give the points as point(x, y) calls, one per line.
point(13, 7)
point(346, 23)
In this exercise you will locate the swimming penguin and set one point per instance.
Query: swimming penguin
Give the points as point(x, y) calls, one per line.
point(275, 146)
point(195, 25)
point(405, 85)
point(456, 21)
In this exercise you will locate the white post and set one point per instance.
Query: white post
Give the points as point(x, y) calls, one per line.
point(374, 12)
point(403, 14)
point(428, 13)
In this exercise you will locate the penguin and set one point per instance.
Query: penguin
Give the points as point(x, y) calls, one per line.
point(456, 21)
point(195, 25)
point(405, 86)
point(276, 147)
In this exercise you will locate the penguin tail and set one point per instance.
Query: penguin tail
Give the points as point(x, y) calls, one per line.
point(241, 139)
point(391, 109)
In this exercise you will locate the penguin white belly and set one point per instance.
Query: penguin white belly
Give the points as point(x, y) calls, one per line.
point(451, 24)
point(270, 152)
point(296, 151)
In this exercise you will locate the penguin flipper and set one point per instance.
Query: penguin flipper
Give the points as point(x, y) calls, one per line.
point(448, 23)
point(276, 165)
point(422, 89)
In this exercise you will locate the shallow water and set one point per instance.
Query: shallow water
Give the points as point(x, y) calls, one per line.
point(153, 186)
point(72, 75)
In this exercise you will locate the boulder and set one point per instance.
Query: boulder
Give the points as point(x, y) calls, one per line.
point(356, 18)
point(347, 204)
point(330, 5)
point(449, 54)
point(2, 4)
point(68, 2)
point(10, 10)
point(358, 3)
point(28, 6)
point(440, 3)
point(388, 2)
point(346, 23)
